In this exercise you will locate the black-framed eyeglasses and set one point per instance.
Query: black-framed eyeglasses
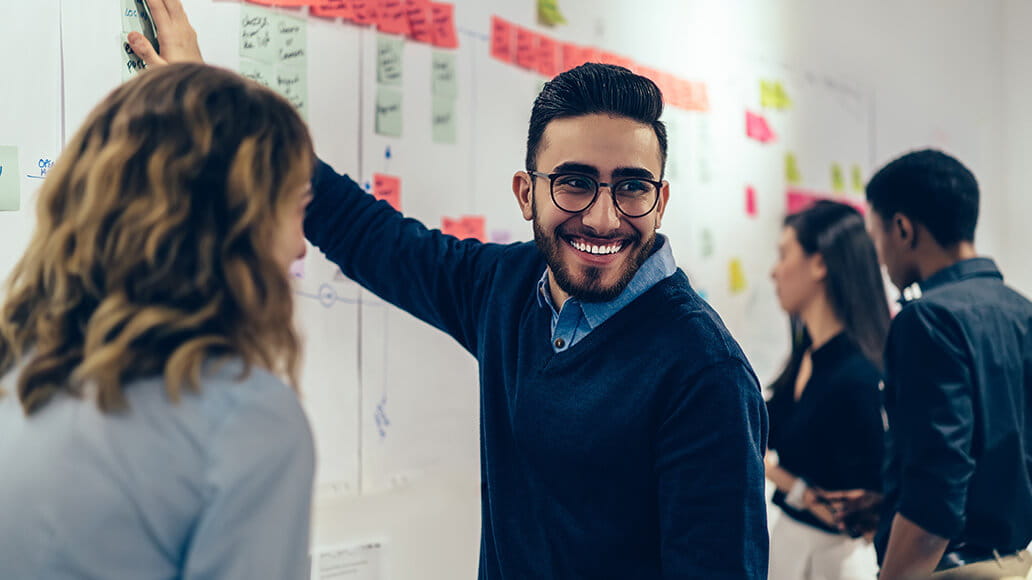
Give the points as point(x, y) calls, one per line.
point(635, 197)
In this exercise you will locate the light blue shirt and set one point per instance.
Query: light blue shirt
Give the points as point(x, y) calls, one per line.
point(218, 486)
point(576, 319)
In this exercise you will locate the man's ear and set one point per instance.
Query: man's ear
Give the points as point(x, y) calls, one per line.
point(664, 197)
point(903, 227)
point(523, 189)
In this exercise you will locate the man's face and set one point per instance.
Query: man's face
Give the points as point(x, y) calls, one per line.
point(592, 255)
point(893, 247)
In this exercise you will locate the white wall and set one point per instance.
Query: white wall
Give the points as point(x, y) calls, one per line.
point(1016, 154)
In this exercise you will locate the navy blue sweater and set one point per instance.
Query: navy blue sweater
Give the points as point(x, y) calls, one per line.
point(636, 453)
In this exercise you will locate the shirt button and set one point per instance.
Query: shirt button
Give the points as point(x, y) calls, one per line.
point(560, 343)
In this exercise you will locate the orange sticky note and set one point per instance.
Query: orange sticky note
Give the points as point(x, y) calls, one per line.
point(465, 227)
point(575, 55)
point(387, 188)
point(547, 56)
point(443, 25)
point(333, 9)
point(756, 127)
point(419, 19)
point(364, 12)
point(501, 39)
point(393, 17)
point(697, 98)
point(526, 48)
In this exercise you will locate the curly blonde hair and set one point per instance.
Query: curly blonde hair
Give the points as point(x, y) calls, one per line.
point(152, 250)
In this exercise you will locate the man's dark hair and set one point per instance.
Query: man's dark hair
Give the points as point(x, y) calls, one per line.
point(930, 188)
point(596, 88)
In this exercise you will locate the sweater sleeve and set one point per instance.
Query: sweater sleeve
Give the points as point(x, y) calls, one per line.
point(435, 277)
point(713, 520)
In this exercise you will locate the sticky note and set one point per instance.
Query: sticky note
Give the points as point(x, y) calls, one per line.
point(502, 40)
point(387, 188)
point(333, 9)
point(526, 48)
point(548, 13)
point(857, 178)
point(443, 25)
point(388, 111)
point(838, 178)
point(131, 63)
point(257, 30)
point(389, 53)
point(736, 276)
point(10, 179)
point(443, 74)
point(616, 59)
point(774, 96)
point(792, 175)
point(444, 128)
point(547, 56)
point(706, 245)
point(501, 236)
point(393, 17)
point(292, 83)
point(364, 12)
point(291, 39)
point(259, 72)
point(465, 227)
point(420, 18)
point(756, 128)
point(750, 201)
point(694, 96)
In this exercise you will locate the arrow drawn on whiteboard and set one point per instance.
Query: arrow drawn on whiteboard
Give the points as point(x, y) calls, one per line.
point(382, 422)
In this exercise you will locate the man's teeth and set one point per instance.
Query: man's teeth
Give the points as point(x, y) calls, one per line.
point(593, 249)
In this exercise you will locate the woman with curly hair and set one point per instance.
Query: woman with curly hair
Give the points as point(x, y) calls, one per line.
point(149, 427)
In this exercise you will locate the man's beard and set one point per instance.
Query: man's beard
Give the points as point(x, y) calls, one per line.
point(590, 290)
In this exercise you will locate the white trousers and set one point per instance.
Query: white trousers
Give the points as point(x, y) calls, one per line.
point(802, 552)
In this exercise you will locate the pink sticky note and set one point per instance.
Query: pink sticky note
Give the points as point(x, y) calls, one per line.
point(616, 59)
point(750, 201)
point(501, 39)
point(464, 227)
point(393, 17)
point(364, 12)
point(756, 127)
point(333, 9)
point(387, 188)
point(570, 54)
point(419, 17)
point(799, 199)
point(526, 48)
point(281, 2)
point(547, 56)
point(443, 26)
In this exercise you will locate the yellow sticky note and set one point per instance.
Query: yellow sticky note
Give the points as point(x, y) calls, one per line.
point(548, 13)
point(838, 178)
point(792, 175)
point(858, 178)
point(774, 96)
point(736, 276)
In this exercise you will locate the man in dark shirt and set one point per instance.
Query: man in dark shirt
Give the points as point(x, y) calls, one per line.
point(958, 389)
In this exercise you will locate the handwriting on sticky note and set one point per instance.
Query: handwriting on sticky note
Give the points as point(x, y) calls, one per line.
point(548, 13)
point(792, 174)
point(256, 33)
point(364, 12)
point(757, 128)
point(736, 276)
point(443, 25)
point(465, 227)
point(444, 75)
point(333, 9)
point(387, 188)
point(547, 60)
point(10, 184)
point(131, 63)
point(526, 48)
point(420, 17)
point(259, 72)
point(389, 52)
point(388, 111)
point(444, 127)
point(750, 201)
point(292, 83)
point(291, 39)
point(393, 17)
point(502, 39)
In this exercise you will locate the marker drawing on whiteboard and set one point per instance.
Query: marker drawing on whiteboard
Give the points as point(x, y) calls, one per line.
point(382, 422)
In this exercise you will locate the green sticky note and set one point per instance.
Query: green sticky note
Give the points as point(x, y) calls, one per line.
point(706, 248)
point(838, 178)
point(10, 179)
point(858, 178)
point(792, 175)
point(292, 82)
point(290, 36)
point(389, 52)
point(444, 125)
point(548, 13)
point(258, 33)
point(388, 111)
point(259, 72)
point(445, 82)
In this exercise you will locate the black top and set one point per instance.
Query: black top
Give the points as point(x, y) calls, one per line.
point(832, 437)
point(958, 395)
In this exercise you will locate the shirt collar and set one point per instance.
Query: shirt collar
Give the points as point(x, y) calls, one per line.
point(962, 270)
point(657, 267)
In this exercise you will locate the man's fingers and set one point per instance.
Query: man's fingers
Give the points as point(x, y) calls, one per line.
point(144, 49)
point(159, 12)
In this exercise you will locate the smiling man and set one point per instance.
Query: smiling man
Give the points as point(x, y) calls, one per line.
point(622, 429)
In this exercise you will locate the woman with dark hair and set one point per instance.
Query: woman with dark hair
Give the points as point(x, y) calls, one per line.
point(825, 408)
point(148, 424)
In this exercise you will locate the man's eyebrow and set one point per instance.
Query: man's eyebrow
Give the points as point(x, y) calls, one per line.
point(633, 172)
point(573, 167)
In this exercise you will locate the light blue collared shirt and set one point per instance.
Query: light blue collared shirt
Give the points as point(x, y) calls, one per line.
point(577, 319)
